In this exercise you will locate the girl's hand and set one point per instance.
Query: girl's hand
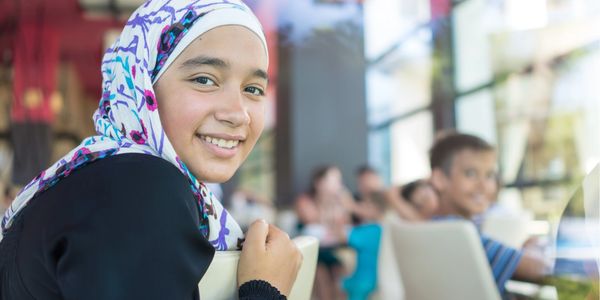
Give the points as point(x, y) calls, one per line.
point(269, 255)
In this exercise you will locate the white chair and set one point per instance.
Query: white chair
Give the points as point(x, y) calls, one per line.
point(220, 280)
point(389, 281)
point(508, 229)
point(442, 260)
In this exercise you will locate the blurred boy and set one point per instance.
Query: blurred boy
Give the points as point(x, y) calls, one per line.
point(367, 181)
point(464, 174)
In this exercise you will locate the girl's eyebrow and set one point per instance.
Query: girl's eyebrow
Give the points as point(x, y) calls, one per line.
point(204, 60)
point(261, 74)
point(217, 63)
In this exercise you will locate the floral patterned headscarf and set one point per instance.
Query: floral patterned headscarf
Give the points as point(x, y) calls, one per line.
point(127, 119)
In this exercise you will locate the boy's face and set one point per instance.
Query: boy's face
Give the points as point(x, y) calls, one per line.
point(369, 182)
point(471, 184)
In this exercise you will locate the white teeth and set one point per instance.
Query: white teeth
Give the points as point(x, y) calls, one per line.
point(228, 144)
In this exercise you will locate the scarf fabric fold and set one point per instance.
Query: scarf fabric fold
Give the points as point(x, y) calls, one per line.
point(127, 119)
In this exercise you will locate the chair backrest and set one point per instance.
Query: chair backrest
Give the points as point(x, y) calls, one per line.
point(220, 280)
point(510, 230)
point(442, 260)
point(389, 281)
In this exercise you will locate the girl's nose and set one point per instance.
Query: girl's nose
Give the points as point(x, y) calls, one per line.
point(233, 111)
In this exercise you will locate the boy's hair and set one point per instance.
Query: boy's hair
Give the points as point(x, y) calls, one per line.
point(448, 145)
point(409, 189)
point(364, 169)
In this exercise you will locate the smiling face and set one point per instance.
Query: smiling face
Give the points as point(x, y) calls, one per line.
point(211, 101)
point(470, 185)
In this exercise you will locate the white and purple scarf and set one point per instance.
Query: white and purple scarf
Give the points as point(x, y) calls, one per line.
point(127, 119)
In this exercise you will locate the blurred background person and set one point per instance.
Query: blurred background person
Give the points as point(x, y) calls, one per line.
point(368, 181)
point(464, 175)
point(322, 210)
point(364, 239)
point(422, 196)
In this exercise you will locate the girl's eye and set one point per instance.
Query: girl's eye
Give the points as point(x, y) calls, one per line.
point(204, 80)
point(255, 91)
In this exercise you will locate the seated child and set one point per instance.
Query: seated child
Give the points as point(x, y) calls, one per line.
point(422, 196)
point(464, 175)
point(364, 239)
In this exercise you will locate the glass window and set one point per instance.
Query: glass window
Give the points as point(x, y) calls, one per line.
point(411, 139)
point(399, 78)
point(475, 114)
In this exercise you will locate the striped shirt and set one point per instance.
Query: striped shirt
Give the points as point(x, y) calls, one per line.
point(503, 260)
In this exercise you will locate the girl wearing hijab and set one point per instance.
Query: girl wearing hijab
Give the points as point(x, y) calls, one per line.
point(125, 215)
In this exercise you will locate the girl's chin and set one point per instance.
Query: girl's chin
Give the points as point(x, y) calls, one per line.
point(216, 174)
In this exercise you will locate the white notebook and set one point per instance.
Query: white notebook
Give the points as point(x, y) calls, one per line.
point(220, 280)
